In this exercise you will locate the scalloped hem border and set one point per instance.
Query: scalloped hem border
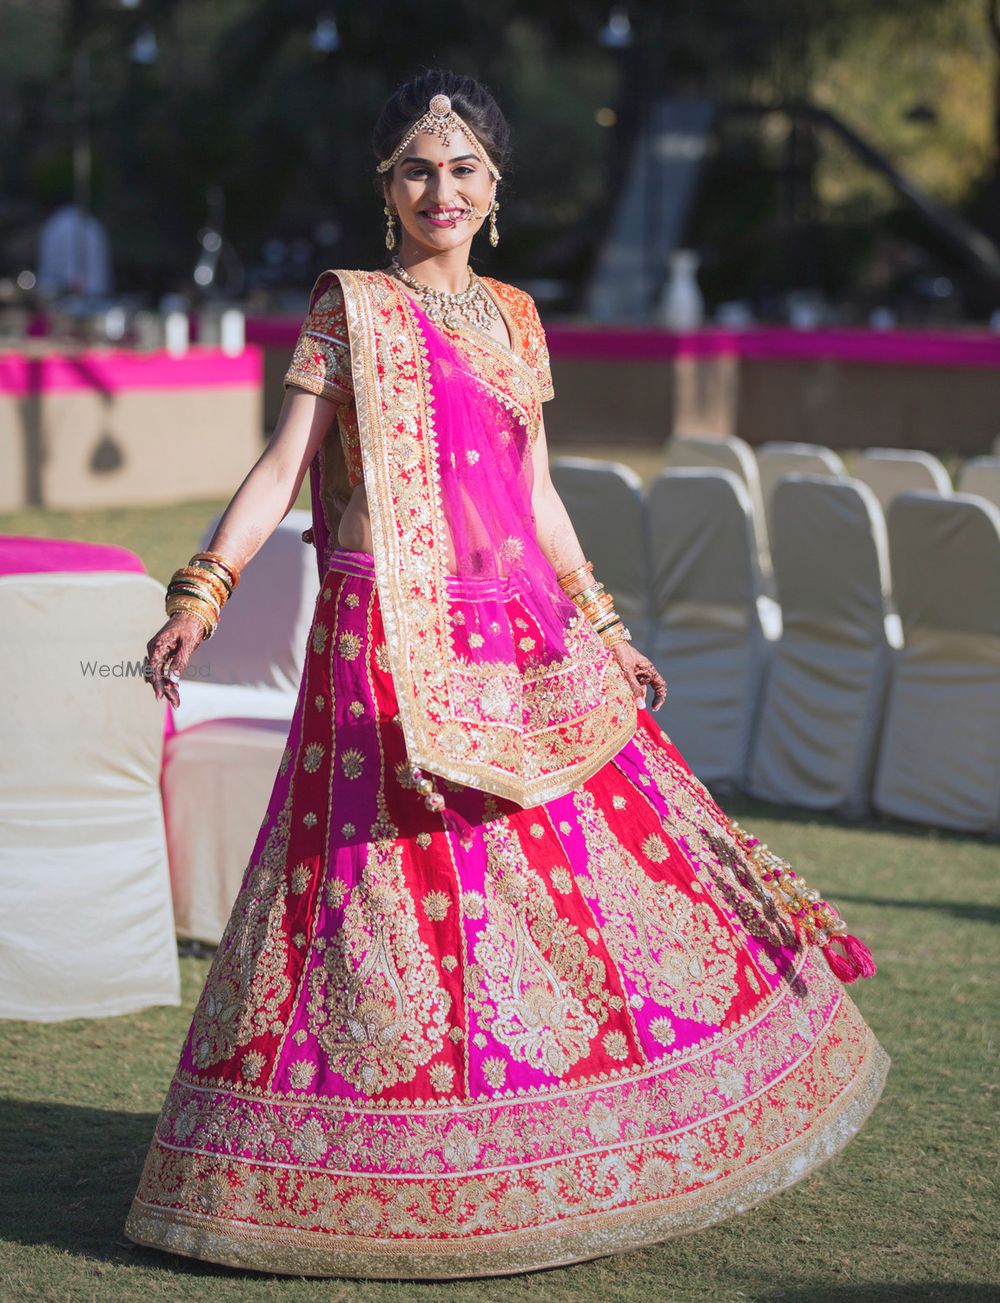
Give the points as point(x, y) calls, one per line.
point(308, 1253)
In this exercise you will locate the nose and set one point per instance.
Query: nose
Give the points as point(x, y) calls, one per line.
point(446, 189)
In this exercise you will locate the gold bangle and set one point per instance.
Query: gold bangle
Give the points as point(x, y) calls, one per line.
point(214, 556)
point(564, 580)
point(209, 570)
point(183, 608)
point(204, 579)
point(185, 588)
point(588, 594)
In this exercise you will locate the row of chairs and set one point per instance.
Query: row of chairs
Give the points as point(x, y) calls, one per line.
point(868, 678)
point(886, 471)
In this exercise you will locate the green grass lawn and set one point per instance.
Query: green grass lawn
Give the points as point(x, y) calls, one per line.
point(907, 1212)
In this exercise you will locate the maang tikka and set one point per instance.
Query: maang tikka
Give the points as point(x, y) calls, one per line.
point(442, 121)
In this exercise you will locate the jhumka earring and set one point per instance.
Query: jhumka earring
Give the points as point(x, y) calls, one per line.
point(494, 233)
point(390, 227)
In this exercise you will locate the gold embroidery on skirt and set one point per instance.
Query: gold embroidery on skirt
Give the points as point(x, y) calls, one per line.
point(248, 984)
point(376, 1005)
point(675, 949)
point(546, 1005)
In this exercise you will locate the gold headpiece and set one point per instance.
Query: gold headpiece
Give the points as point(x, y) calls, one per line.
point(441, 120)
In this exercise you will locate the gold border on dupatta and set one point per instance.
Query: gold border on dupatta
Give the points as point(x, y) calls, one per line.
point(379, 440)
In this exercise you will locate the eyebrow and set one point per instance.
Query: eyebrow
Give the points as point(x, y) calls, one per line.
point(460, 158)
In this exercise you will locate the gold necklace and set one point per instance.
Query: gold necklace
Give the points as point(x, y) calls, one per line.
point(472, 305)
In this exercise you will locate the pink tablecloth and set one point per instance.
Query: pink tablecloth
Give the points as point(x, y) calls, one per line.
point(22, 555)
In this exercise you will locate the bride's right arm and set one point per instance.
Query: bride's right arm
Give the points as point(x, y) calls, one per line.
point(272, 484)
point(257, 508)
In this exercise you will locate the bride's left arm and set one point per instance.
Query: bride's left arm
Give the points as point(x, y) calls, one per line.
point(557, 539)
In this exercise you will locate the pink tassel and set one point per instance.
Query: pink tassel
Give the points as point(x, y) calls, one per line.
point(856, 961)
point(459, 825)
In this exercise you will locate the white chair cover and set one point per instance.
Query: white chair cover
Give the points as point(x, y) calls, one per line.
point(707, 637)
point(253, 662)
point(981, 475)
point(727, 452)
point(777, 458)
point(888, 471)
point(816, 733)
point(605, 503)
point(86, 928)
point(939, 761)
point(235, 762)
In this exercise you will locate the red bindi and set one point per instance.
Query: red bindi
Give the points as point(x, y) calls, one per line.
point(440, 165)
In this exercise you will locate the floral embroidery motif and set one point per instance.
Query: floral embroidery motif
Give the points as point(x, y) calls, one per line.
point(357, 708)
point(655, 848)
point(436, 905)
point(320, 635)
point(312, 757)
point(301, 1074)
point(352, 762)
point(300, 878)
point(349, 645)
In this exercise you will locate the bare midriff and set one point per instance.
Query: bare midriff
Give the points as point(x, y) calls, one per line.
point(354, 534)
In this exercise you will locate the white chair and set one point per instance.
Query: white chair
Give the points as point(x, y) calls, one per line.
point(820, 712)
point(777, 458)
point(710, 618)
point(939, 762)
point(605, 503)
point(252, 665)
point(727, 452)
point(210, 845)
point(86, 927)
point(888, 471)
point(981, 475)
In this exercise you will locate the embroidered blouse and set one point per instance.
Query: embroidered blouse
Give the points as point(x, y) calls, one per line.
point(321, 364)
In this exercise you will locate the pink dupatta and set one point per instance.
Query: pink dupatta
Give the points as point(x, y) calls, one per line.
point(501, 684)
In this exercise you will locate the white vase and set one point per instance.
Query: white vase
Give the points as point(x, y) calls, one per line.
point(682, 306)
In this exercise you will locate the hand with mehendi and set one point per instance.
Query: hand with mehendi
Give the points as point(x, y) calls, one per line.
point(168, 653)
point(640, 673)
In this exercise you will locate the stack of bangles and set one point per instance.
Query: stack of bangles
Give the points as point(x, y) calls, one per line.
point(597, 605)
point(202, 588)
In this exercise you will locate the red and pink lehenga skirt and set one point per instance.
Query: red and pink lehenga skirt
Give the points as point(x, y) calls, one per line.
point(585, 1032)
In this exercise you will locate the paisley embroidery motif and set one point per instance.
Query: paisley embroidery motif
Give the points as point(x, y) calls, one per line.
point(534, 986)
point(675, 949)
point(376, 1006)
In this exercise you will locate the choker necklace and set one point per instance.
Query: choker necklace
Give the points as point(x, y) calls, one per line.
point(472, 305)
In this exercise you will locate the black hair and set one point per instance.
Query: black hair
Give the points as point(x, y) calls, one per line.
point(471, 100)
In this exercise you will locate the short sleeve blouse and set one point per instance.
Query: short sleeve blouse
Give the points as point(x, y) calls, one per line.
point(321, 362)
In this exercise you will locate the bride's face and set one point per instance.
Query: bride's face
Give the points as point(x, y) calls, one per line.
point(441, 192)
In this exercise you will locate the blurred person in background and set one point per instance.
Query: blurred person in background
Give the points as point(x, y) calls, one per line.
point(74, 255)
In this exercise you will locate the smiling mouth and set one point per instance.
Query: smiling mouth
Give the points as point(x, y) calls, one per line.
point(444, 216)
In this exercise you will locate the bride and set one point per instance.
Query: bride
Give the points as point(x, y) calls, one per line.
point(503, 988)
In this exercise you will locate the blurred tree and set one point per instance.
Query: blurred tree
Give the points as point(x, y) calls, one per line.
point(240, 97)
